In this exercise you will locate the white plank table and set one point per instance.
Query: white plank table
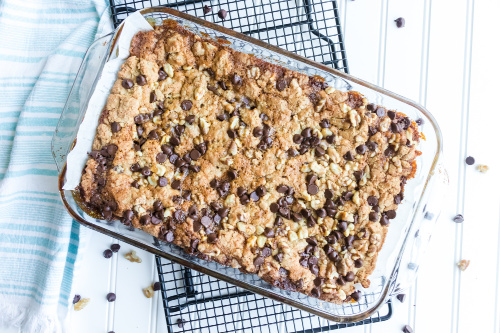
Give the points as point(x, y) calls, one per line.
point(446, 58)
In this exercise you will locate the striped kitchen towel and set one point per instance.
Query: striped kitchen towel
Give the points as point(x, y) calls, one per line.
point(42, 43)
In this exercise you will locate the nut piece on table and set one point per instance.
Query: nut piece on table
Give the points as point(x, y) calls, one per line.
point(81, 304)
point(482, 168)
point(132, 256)
point(149, 291)
point(463, 264)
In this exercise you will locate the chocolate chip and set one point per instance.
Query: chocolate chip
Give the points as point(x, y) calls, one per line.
point(361, 149)
point(315, 292)
point(161, 158)
point(358, 175)
point(391, 114)
point(281, 85)
point(398, 198)
point(372, 145)
point(279, 258)
point(330, 139)
point(282, 189)
point(269, 232)
point(407, 328)
point(292, 153)
point(373, 217)
point(152, 97)
point(278, 221)
point(115, 127)
point(391, 214)
point(458, 218)
point(372, 131)
point(222, 14)
point(76, 299)
point(141, 119)
point(324, 123)
point(380, 112)
point(312, 241)
point(111, 297)
point(400, 22)
point(349, 156)
point(162, 182)
point(166, 150)
point(261, 191)
point(135, 167)
point(254, 196)
point(372, 200)
point(371, 107)
point(266, 252)
point(127, 83)
point(258, 261)
point(389, 151)
point(153, 135)
point(297, 139)
point(207, 9)
point(358, 263)
point(329, 194)
point(146, 171)
point(232, 133)
point(107, 253)
point(202, 148)
point(307, 132)
point(319, 151)
point(334, 256)
point(314, 268)
point(396, 127)
point(206, 221)
point(135, 184)
point(349, 277)
point(342, 226)
point(176, 184)
point(470, 160)
point(318, 281)
point(311, 222)
point(236, 80)
point(257, 132)
point(141, 80)
point(401, 297)
point(186, 105)
point(321, 213)
point(194, 155)
point(347, 196)
point(196, 226)
point(356, 295)
point(161, 75)
point(384, 220)
point(174, 141)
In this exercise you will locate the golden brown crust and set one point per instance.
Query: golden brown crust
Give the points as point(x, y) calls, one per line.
point(249, 164)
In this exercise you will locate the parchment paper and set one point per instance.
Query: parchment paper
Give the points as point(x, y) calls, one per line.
point(78, 156)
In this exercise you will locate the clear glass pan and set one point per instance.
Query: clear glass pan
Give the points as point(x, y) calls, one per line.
point(408, 234)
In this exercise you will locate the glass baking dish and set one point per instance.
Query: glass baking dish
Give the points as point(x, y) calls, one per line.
point(408, 234)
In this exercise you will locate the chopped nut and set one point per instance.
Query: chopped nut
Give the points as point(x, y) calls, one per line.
point(204, 126)
point(329, 90)
point(259, 230)
point(482, 168)
point(246, 228)
point(168, 69)
point(81, 304)
point(292, 236)
point(132, 257)
point(463, 264)
point(261, 241)
point(303, 233)
point(341, 294)
point(230, 200)
point(149, 291)
point(233, 148)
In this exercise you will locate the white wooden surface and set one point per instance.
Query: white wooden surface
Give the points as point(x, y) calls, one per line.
point(445, 58)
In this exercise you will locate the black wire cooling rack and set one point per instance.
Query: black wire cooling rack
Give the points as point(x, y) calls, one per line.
point(197, 302)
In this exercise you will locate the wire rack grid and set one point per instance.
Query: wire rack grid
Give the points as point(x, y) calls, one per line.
point(310, 28)
point(195, 302)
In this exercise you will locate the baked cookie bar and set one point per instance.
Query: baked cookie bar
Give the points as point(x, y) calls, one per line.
point(249, 164)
